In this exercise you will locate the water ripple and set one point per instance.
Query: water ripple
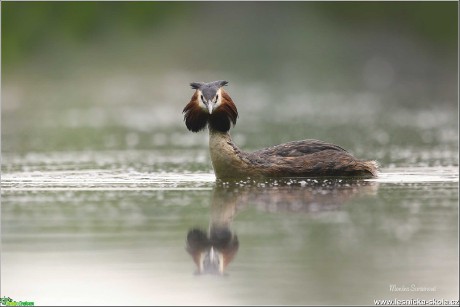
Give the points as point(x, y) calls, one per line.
point(97, 180)
point(122, 180)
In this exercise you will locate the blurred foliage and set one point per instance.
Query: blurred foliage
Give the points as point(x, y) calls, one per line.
point(29, 27)
point(432, 20)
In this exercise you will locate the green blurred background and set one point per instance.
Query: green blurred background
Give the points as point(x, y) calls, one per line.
point(34, 29)
point(210, 35)
point(114, 75)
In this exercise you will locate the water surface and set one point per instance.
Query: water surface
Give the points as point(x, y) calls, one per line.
point(117, 235)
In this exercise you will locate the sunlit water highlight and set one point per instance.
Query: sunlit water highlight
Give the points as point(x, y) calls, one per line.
point(105, 180)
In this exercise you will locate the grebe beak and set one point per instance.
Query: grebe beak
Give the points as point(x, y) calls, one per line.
point(210, 107)
point(212, 262)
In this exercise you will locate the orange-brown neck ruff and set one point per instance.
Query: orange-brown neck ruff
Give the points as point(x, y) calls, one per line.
point(225, 115)
point(195, 117)
point(221, 119)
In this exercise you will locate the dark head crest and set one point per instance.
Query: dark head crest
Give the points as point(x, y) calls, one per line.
point(196, 85)
point(214, 84)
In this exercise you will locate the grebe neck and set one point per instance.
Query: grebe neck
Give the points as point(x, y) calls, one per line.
point(227, 159)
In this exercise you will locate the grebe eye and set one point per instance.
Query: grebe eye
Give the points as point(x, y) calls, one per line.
point(217, 97)
point(202, 98)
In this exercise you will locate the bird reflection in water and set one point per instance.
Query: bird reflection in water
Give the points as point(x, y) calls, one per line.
point(213, 250)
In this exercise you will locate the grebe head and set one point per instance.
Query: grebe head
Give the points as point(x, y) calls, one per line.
point(210, 104)
point(209, 98)
point(212, 252)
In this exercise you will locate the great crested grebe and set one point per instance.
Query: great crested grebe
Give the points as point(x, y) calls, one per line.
point(212, 106)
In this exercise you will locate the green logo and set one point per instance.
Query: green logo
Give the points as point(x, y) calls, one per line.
point(4, 300)
point(8, 301)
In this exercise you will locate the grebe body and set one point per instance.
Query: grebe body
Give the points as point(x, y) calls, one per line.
point(212, 107)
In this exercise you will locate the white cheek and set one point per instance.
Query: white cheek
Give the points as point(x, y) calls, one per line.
point(200, 102)
point(219, 100)
point(218, 103)
point(202, 105)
